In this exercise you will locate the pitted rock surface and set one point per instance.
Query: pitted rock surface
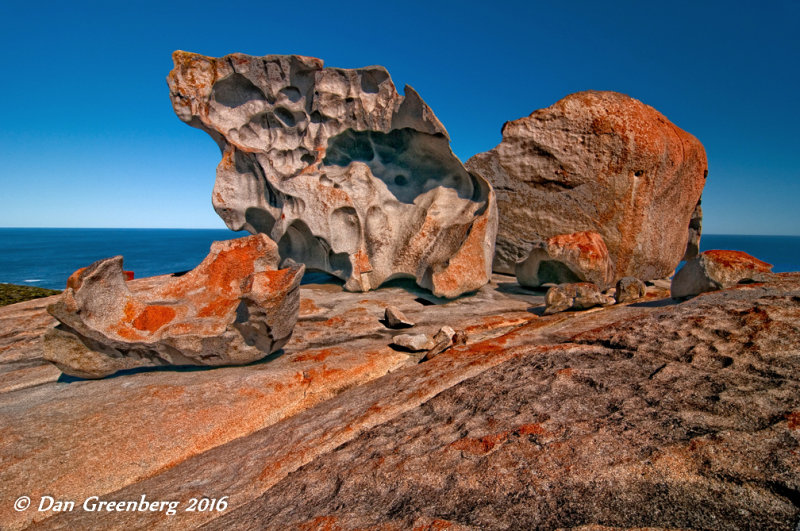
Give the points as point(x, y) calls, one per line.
point(232, 309)
point(597, 161)
point(348, 176)
point(565, 258)
point(717, 269)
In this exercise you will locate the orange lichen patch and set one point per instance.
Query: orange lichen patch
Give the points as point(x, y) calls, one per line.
point(793, 419)
point(217, 307)
point(169, 392)
point(153, 317)
point(307, 307)
point(333, 321)
point(361, 262)
point(320, 523)
point(566, 372)
point(479, 446)
point(467, 268)
point(316, 355)
point(74, 279)
point(532, 429)
point(589, 245)
point(737, 260)
point(271, 281)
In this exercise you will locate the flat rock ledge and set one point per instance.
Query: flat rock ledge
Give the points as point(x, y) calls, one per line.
point(233, 308)
point(658, 413)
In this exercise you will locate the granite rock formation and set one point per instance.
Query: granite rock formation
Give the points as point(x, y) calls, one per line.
point(232, 309)
point(348, 176)
point(717, 269)
point(566, 258)
point(602, 162)
point(663, 414)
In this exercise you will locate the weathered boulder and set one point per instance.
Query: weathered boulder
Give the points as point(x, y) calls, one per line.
point(565, 258)
point(575, 296)
point(348, 176)
point(394, 318)
point(602, 162)
point(629, 289)
point(717, 269)
point(232, 309)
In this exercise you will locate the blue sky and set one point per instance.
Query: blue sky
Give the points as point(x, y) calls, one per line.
point(88, 137)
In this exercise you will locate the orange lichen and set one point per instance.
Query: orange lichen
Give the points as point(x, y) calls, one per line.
point(153, 317)
point(737, 260)
point(217, 307)
point(479, 446)
point(74, 280)
point(316, 355)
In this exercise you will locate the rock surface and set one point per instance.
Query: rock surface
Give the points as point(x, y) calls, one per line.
point(345, 174)
point(658, 414)
point(576, 296)
point(596, 161)
point(232, 309)
point(717, 269)
point(629, 289)
point(565, 258)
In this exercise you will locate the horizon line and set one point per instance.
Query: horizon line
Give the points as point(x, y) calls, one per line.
point(244, 230)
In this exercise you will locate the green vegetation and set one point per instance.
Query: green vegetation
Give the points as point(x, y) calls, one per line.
point(11, 293)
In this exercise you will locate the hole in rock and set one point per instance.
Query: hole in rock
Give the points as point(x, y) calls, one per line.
point(316, 117)
point(285, 116)
point(292, 93)
point(371, 79)
point(410, 163)
point(236, 90)
point(555, 272)
point(638, 173)
point(308, 158)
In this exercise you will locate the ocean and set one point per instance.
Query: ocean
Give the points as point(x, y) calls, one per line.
point(46, 257)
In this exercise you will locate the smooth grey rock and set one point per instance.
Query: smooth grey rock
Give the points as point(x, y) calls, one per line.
point(715, 269)
point(413, 342)
point(394, 318)
point(347, 175)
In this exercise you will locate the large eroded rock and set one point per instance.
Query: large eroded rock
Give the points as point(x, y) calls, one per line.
point(233, 308)
point(717, 269)
point(597, 161)
point(348, 176)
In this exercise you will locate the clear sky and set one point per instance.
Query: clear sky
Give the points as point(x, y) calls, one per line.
point(88, 137)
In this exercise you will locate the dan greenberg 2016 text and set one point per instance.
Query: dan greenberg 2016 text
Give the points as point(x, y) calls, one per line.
point(93, 504)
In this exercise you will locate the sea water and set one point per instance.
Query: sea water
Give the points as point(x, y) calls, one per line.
point(46, 257)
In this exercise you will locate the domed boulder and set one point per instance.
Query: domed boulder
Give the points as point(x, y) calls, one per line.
point(601, 162)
